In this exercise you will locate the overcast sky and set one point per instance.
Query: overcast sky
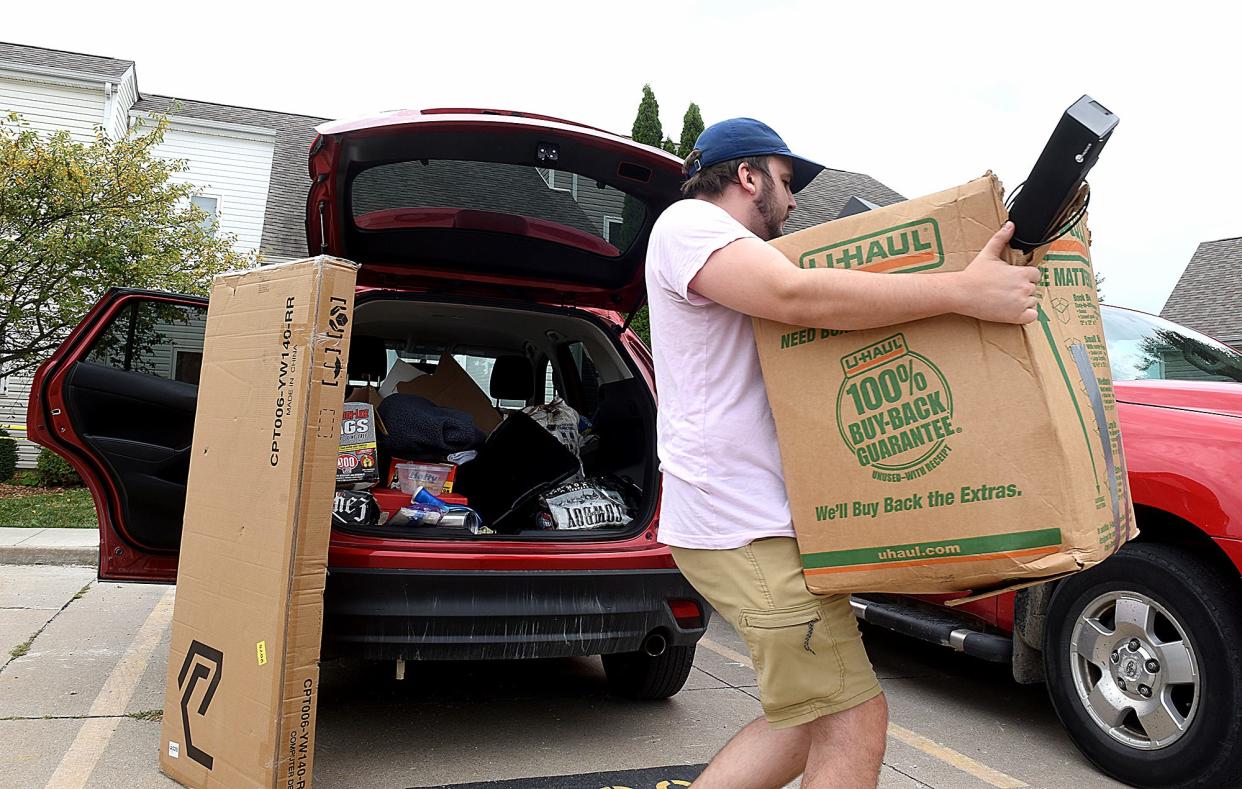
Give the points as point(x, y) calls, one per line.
point(919, 96)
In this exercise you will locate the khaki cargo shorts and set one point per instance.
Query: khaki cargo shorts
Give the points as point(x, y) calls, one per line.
point(807, 651)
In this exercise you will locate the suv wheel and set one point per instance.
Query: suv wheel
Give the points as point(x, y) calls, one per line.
point(637, 675)
point(1139, 667)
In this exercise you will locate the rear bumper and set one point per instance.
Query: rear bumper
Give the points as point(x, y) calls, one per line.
point(491, 615)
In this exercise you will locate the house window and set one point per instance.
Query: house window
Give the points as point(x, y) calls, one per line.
point(210, 206)
point(187, 365)
point(559, 182)
point(612, 228)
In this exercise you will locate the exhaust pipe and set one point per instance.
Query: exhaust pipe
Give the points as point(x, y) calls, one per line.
point(654, 645)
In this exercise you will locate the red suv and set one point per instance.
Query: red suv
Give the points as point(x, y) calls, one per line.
point(513, 243)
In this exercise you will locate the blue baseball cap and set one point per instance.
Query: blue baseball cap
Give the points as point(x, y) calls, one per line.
point(738, 138)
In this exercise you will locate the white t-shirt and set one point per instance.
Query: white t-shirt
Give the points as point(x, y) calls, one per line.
point(723, 485)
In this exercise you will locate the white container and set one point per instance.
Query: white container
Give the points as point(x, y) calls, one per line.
point(432, 476)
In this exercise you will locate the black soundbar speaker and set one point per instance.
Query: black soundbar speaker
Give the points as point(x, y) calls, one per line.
point(1059, 172)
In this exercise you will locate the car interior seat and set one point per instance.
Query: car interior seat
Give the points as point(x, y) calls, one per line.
point(621, 422)
point(513, 378)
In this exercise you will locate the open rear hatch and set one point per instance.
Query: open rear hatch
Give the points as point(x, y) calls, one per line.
point(489, 203)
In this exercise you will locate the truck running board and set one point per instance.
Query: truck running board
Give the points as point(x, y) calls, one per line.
point(945, 628)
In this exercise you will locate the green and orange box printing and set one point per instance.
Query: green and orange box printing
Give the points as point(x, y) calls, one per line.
point(948, 454)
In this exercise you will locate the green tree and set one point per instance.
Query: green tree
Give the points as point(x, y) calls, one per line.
point(691, 128)
point(647, 128)
point(79, 218)
point(642, 325)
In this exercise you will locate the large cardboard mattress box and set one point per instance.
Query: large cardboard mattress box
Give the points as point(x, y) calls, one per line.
point(243, 670)
point(947, 454)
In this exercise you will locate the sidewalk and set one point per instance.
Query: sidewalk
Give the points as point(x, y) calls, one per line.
point(49, 546)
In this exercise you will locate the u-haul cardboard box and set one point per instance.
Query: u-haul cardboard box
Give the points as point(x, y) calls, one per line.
point(947, 454)
point(243, 671)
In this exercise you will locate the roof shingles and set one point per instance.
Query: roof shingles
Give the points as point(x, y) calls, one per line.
point(1208, 295)
point(111, 68)
point(824, 197)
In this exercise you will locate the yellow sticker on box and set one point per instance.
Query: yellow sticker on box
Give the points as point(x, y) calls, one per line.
point(261, 650)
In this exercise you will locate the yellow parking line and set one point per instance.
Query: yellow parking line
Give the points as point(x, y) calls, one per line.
point(79, 762)
point(725, 652)
point(934, 749)
point(959, 760)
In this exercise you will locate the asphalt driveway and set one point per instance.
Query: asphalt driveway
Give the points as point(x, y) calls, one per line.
point(80, 704)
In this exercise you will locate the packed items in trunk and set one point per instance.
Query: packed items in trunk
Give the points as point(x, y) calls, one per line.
point(355, 508)
point(426, 509)
point(518, 461)
point(454, 462)
point(357, 461)
point(561, 420)
point(420, 436)
point(409, 477)
point(418, 429)
point(414, 503)
point(589, 504)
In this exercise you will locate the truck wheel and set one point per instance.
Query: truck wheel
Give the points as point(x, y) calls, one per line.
point(1139, 667)
point(637, 675)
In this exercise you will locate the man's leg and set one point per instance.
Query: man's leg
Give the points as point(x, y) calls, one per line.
point(847, 748)
point(841, 751)
point(758, 757)
point(809, 657)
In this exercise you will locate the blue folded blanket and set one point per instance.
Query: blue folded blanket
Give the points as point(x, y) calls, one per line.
point(417, 427)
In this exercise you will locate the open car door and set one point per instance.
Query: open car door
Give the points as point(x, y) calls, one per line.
point(117, 401)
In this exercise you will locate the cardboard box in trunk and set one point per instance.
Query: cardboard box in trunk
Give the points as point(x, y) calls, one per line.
point(947, 454)
point(243, 670)
point(452, 387)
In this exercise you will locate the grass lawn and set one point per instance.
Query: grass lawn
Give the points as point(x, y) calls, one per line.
point(46, 508)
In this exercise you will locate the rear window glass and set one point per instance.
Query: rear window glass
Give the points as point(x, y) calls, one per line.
point(555, 205)
point(477, 364)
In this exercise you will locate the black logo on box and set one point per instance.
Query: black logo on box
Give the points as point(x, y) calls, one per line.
point(338, 322)
point(338, 316)
point(207, 668)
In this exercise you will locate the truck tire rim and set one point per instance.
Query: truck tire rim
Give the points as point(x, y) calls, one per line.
point(1135, 670)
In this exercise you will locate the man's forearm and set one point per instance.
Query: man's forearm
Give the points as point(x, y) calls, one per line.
point(845, 299)
point(753, 278)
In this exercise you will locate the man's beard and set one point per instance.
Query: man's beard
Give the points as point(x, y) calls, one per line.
point(771, 212)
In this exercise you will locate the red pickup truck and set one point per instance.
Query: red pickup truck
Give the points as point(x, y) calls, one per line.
point(1137, 652)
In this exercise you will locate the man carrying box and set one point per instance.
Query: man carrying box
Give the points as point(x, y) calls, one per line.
point(725, 513)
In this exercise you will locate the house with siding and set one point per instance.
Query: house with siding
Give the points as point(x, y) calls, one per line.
point(1208, 296)
point(249, 167)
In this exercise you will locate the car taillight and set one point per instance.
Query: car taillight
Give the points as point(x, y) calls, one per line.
point(687, 613)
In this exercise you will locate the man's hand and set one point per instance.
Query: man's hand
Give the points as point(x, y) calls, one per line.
point(994, 290)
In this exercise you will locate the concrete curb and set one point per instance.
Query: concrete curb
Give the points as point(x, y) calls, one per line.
point(50, 554)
